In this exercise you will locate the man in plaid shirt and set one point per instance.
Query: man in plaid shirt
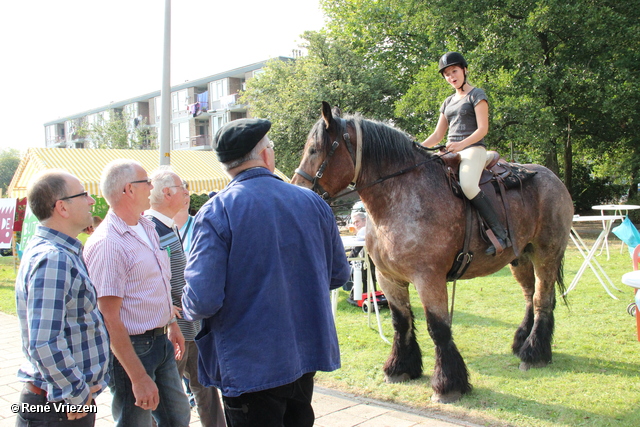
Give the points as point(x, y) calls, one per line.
point(64, 337)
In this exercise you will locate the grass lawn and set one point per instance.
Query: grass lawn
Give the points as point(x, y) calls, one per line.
point(594, 379)
point(7, 283)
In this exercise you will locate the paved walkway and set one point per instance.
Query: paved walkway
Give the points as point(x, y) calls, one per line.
point(332, 408)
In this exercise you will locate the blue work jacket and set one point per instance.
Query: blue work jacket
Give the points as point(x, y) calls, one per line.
point(264, 256)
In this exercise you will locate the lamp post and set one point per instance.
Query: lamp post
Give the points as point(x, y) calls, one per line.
point(165, 93)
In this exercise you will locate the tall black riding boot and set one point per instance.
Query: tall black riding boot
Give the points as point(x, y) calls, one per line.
point(485, 208)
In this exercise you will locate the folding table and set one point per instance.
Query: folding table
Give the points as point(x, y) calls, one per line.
point(617, 210)
point(588, 253)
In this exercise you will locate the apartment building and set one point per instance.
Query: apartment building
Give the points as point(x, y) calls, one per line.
point(198, 109)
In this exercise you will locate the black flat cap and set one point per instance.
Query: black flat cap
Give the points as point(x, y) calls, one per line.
point(237, 138)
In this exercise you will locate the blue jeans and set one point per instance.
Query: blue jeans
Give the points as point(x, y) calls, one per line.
point(51, 418)
point(157, 356)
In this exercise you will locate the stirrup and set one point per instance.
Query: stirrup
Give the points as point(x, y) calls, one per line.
point(503, 244)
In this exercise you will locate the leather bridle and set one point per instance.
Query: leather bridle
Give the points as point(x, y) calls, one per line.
point(357, 161)
point(315, 184)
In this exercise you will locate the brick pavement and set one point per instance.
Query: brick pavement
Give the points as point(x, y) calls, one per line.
point(332, 408)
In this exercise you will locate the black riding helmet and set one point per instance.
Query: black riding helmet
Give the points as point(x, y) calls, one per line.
point(452, 58)
point(449, 59)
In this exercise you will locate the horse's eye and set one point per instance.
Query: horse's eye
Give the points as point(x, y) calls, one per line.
point(312, 151)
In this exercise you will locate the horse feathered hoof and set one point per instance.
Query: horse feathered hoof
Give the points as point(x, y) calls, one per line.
point(525, 366)
point(392, 379)
point(451, 397)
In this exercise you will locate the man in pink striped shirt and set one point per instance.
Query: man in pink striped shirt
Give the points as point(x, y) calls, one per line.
point(131, 275)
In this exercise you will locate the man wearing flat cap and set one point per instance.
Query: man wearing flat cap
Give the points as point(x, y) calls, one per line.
point(264, 256)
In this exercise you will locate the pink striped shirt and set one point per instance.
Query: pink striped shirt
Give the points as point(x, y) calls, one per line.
point(121, 264)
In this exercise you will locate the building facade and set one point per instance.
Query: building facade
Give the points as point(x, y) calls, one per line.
point(198, 109)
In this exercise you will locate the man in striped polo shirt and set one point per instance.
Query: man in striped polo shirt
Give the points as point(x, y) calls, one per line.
point(131, 275)
point(167, 198)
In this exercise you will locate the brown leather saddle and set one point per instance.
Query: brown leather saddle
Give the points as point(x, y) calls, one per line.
point(498, 172)
point(497, 177)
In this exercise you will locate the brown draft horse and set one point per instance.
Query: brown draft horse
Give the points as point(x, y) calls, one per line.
point(415, 230)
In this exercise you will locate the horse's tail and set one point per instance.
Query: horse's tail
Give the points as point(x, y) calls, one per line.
point(560, 282)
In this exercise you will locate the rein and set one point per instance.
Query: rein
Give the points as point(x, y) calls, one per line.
point(381, 179)
point(384, 178)
point(357, 160)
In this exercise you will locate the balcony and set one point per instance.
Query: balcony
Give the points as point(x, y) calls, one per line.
point(227, 103)
point(57, 142)
point(201, 142)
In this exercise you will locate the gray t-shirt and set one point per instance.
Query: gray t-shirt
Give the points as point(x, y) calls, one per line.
point(461, 115)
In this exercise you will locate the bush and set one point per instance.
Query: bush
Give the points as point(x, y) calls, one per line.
point(197, 200)
point(588, 190)
point(634, 216)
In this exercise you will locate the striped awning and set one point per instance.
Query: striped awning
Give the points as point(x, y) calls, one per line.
point(201, 169)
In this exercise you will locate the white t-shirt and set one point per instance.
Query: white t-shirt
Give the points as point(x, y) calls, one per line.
point(139, 230)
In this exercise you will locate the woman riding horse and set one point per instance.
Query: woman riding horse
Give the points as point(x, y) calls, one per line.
point(466, 114)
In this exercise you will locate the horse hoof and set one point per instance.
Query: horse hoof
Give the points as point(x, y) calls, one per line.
point(525, 366)
point(451, 397)
point(397, 378)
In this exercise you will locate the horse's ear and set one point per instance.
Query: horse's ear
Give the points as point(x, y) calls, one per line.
point(326, 114)
point(337, 112)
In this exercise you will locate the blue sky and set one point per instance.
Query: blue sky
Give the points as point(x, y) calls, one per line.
point(66, 56)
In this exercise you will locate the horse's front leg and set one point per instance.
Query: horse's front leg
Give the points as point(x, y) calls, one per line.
point(450, 378)
point(405, 361)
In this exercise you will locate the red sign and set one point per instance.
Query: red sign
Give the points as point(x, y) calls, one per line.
point(21, 207)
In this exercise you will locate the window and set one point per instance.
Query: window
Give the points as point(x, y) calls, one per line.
point(92, 119)
point(179, 101)
point(70, 127)
point(131, 110)
point(219, 89)
point(217, 122)
point(156, 108)
point(180, 133)
point(50, 134)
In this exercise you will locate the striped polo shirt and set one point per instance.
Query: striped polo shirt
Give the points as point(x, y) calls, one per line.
point(121, 264)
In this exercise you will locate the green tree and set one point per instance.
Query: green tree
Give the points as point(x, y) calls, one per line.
point(118, 131)
point(9, 161)
point(289, 93)
point(558, 74)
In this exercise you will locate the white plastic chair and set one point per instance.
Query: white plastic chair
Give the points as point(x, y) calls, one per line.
point(633, 279)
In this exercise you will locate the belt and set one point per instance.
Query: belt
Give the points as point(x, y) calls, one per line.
point(33, 389)
point(153, 332)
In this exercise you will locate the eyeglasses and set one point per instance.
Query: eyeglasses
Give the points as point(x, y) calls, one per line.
point(140, 181)
point(183, 186)
point(83, 194)
point(270, 145)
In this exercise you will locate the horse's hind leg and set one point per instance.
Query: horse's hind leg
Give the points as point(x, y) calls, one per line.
point(405, 361)
point(525, 275)
point(532, 342)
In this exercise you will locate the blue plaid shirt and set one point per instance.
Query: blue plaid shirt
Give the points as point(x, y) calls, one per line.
point(63, 334)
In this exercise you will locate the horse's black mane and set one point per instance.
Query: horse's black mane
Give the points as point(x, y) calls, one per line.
point(383, 144)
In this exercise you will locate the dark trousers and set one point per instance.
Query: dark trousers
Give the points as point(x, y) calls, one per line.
point(285, 406)
point(50, 418)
